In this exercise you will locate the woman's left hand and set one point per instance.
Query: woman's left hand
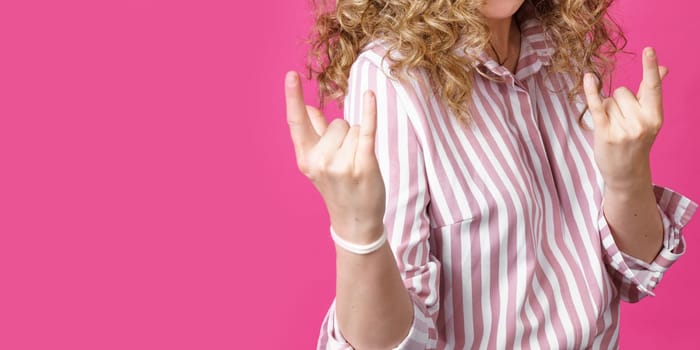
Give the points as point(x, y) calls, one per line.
point(625, 126)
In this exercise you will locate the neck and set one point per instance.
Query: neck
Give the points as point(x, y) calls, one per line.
point(500, 32)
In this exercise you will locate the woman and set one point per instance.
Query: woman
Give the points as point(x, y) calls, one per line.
point(482, 194)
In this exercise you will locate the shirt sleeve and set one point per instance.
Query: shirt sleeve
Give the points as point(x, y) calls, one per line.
point(634, 277)
point(406, 220)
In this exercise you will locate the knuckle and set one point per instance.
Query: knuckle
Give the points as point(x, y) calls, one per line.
point(323, 164)
point(292, 122)
point(356, 175)
point(338, 169)
point(316, 166)
point(353, 132)
point(339, 123)
point(597, 110)
point(303, 166)
point(656, 85)
point(313, 175)
point(620, 94)
point(616, 139)
point(652, 128)
point(636, 134)
point(619, 91)
point(320, 171)
point(312, 172)
point(363, 172)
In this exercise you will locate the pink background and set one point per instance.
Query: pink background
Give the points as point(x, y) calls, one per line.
point(149, 197)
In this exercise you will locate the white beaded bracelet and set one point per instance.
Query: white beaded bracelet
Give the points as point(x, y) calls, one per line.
point(358, 248)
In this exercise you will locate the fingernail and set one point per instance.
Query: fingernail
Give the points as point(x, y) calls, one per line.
point(291, 79)
point(650, 52)
point(589, 78)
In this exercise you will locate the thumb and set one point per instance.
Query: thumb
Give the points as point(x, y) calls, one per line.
point(368, 128)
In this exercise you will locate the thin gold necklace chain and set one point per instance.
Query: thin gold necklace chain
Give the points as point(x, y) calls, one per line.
point(498, 58)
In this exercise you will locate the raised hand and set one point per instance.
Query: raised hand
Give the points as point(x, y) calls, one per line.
point(625, 126)
point(339, 160)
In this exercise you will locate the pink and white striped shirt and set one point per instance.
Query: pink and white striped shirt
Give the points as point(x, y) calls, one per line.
point(498, 228)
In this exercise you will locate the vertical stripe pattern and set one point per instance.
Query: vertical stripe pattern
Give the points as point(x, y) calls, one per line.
point(498, 227)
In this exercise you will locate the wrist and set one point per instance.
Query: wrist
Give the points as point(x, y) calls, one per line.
point(633, 182)
point(628, 187)
point(629, 191)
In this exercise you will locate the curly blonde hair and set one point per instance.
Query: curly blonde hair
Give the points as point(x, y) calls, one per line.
point(426, 34)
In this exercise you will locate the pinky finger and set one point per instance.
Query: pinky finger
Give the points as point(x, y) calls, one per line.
point(595, 103)
point(368, 125)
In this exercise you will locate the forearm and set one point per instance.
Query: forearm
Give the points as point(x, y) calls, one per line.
point(632, 214)
point(373, 307)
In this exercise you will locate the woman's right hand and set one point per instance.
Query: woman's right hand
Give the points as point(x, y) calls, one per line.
point(339, 160)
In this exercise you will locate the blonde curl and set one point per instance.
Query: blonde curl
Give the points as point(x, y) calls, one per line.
point(425, 35)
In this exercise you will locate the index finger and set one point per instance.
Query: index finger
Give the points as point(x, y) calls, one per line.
point(650, 87)
point(303, 134)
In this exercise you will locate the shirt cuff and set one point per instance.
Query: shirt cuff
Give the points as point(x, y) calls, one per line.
point(421, 335)
point(675, 211)
point(330, 337)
